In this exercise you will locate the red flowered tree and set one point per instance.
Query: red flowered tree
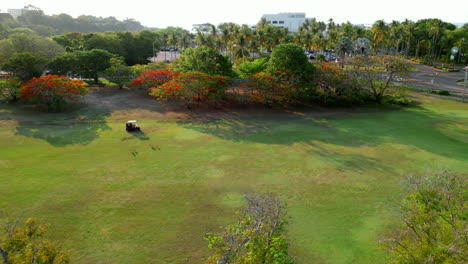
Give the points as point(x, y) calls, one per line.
point(154, 78)
point(333, 85)
point(53, 90)
point(272, 90)
point(192, 87)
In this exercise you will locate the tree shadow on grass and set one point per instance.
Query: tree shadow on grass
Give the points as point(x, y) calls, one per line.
point(81, 122)
point(58, 129)
point(416, 127)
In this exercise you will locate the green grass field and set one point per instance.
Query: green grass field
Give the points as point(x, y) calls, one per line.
point(114, 197)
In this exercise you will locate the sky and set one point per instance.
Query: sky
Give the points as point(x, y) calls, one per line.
point(184, 13)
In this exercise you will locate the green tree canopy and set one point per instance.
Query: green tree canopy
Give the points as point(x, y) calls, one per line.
point(204, 59)
point(118, 72)
point(24, 242)
point(88, 64)
point(434, 221)
point(28, 42)
point(290, 58)
point(26, 65)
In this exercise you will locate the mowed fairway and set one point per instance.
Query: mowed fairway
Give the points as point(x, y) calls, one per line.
point(115, 197)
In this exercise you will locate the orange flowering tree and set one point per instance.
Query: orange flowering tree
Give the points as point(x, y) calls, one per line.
point(154, 78)
point(53, 90)
point(269, 90)
point(192, 87)
point(335, 86)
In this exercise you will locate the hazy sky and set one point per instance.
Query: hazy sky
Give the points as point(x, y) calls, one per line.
point(184, 13)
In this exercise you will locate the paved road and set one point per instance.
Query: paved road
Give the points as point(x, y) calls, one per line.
point(431, 78)
point(166, 55)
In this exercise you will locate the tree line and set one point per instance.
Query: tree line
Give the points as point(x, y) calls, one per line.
point(431, 39)
point(427, 37)
point(50, 25)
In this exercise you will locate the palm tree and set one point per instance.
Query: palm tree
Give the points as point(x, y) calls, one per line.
point(436, 31)
point(379, 33)
point(395, 35)
point(408, 33)
point(184, 39)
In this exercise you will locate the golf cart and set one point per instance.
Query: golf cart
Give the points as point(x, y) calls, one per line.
point(132, 125)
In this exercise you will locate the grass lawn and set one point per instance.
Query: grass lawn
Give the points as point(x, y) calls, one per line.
point(115, 197)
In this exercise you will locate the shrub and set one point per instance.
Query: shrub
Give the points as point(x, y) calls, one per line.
point(443, 92)
point(53, 90)
point(248, 68)
point(397, 100)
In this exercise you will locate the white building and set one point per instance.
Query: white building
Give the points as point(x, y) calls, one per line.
point(15, 13)
point(291, 21)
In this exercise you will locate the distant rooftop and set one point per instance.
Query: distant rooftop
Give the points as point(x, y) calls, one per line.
point(289, 15)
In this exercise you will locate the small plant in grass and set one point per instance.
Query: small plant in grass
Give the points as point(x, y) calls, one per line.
point(52, 90)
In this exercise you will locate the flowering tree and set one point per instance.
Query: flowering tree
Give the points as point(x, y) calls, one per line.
point(268, 90)
point(53, 90)
point(154, 78)
point(191, 87)
point(333, 85)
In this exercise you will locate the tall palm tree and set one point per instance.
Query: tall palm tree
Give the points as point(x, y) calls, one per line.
point(395, 35)
point(408, 33)
point(379, 34)
point(436, 31)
